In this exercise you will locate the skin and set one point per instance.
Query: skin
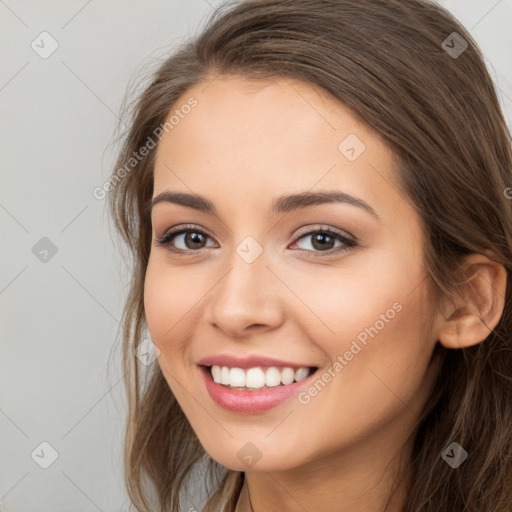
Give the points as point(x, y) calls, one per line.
point(244, 144)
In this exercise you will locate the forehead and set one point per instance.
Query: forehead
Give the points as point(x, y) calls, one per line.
point(264, 138)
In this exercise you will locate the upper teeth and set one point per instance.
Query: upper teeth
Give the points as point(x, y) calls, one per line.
point(256, 378)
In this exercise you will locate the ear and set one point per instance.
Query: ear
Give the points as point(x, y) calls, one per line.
point(479, 305)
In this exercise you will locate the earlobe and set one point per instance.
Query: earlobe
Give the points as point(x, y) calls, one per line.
point(479, 305)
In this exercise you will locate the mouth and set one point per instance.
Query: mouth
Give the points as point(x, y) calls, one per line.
point(258, 377)
point(261, 389)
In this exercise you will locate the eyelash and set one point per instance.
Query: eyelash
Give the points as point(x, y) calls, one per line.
point(168, 237)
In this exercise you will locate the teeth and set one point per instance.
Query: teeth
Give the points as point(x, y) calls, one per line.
point(257, 378)
point(224, 375)
point(287, 375)
point(216, 374)
point(272, 377)
point(237, 377)
point(301, 373)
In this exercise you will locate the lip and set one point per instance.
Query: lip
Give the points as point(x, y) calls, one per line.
point(250, 402)
point(249, 362)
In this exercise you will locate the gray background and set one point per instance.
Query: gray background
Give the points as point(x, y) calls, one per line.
point(60, 316)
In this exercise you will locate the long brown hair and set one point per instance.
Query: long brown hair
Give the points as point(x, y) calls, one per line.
point(391, 62)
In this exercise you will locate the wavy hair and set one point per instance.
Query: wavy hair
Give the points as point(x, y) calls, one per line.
point(439, 113)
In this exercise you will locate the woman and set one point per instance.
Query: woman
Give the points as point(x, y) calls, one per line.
point(314, 193)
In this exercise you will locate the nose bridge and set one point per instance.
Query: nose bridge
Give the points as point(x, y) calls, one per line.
point(246, 294)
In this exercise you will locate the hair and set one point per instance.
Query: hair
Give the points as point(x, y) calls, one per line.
point(440, 116)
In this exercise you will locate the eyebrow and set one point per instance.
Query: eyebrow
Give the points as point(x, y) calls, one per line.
point(282, 204)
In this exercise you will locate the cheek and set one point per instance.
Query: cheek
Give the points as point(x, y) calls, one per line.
point(373, 318)
point(343, 302)
point(383, 349)
point(154, 297)
point(166, 299)
point(375, 285)
point(166, 306)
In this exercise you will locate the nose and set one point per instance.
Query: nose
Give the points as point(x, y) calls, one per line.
point(246, 299)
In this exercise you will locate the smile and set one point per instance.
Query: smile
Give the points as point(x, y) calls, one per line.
point(257, 394)
point(258, 377)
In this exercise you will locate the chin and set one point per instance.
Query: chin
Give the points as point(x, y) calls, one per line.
point(243, 455)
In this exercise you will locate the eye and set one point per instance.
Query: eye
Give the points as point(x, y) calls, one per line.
point(323, 241)
point(191, 237)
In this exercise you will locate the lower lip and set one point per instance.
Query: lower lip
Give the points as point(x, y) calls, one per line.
point(245, 401)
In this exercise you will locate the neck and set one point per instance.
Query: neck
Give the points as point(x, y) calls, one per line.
point(352, 481)
point(361, 477)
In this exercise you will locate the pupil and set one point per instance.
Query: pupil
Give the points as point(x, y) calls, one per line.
point(322, 240)
point(195, 238)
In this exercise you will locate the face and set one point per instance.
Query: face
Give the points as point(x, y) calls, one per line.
point(333, 286)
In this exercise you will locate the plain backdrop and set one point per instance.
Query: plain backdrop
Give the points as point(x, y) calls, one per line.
point(61, 291)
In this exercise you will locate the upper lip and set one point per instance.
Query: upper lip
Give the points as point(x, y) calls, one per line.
point(233, 361)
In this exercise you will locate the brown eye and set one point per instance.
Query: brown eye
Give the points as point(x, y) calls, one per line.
point(321, 241)
point(191, 240)
point(324, 240)
point(194, 240)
